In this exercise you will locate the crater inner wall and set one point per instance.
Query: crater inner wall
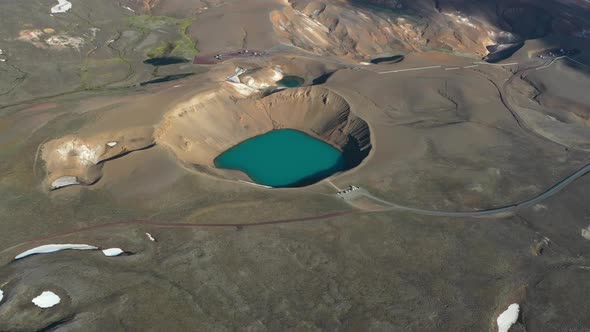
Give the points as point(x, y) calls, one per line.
point(205, 126)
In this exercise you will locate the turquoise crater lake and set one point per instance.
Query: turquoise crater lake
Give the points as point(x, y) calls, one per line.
point(284, 158)
point(291, 81)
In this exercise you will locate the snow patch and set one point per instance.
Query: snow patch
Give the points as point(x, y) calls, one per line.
point(112, 252)
point(47, 299)
point(49, 248)
point(111, 144)
point(129, 9)
point(508, 317)
point(1, 295)
point(64, 181)
point(586, 233)
point(150, 237)
point(61, 7)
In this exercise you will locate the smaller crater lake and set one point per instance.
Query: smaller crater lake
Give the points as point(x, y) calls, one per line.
point(291, 81)
point(283, 158)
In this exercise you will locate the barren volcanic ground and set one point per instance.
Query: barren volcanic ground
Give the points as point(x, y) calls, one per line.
point(468, 194)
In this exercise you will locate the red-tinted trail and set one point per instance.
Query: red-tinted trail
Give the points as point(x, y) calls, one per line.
point(188, 225)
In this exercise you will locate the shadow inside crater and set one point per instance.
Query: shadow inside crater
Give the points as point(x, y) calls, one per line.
point(352, 156)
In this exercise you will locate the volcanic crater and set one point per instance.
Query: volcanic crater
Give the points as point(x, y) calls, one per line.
point(199, 130)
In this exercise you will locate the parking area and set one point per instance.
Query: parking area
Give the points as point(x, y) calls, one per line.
point(211, 59)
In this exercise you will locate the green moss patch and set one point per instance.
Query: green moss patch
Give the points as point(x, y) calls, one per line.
point(183, 46)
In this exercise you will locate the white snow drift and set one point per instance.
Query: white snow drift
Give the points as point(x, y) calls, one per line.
point(508, 317)
point(47, 299)
point(1, 295)
point(48, 248)
point(64, 181)
point(61, 7)
point(112, 252)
